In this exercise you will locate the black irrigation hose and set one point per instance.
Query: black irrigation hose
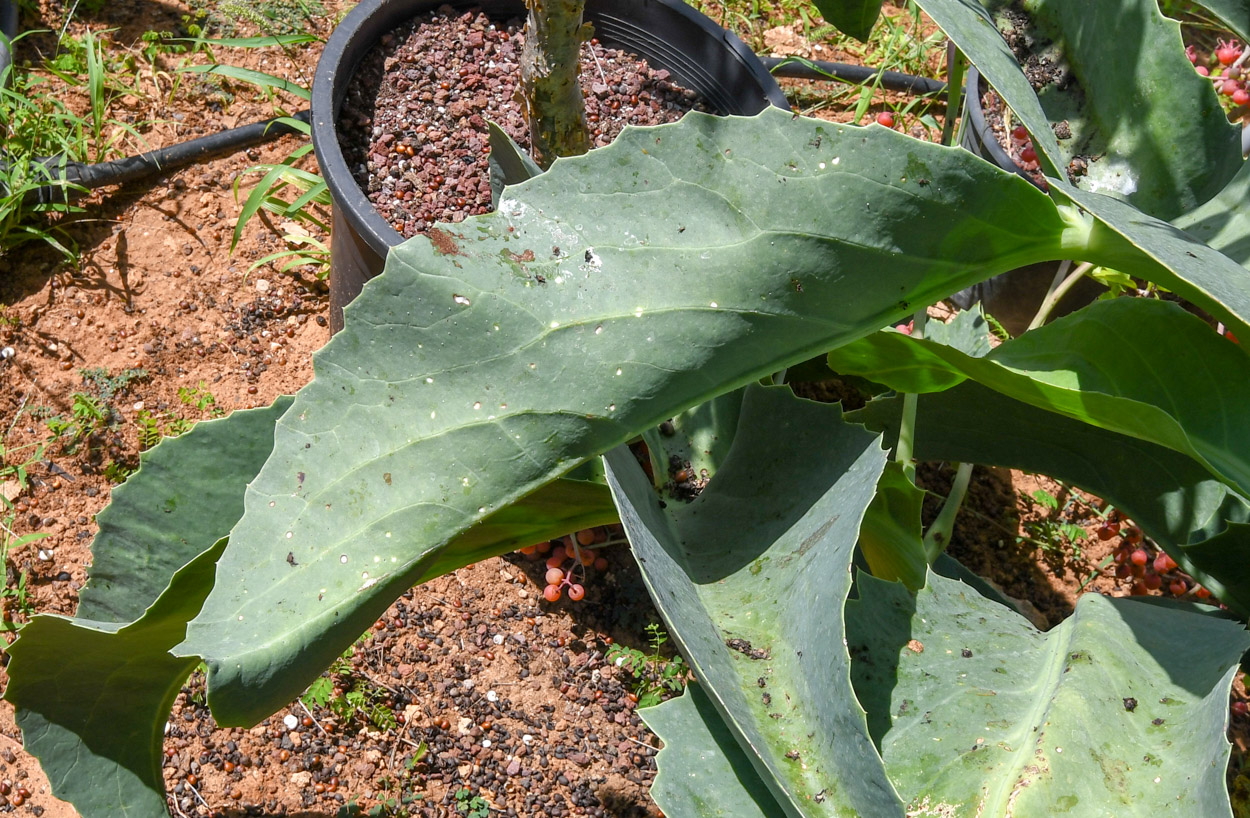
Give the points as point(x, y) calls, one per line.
point(76, 178)
point(80, 177)
point(795, 68)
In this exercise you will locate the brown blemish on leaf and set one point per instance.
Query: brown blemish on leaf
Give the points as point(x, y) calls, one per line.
point(528, 255)
point(915, 646)
point(443, 242)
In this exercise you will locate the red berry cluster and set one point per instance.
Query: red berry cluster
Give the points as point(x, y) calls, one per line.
point(569, 557)
point(1228, 74)
point(1026, 156)
point(1150, 570)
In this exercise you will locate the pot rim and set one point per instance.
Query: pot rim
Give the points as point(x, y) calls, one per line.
point(356, 35)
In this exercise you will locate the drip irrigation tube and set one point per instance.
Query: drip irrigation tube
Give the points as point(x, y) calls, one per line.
point(77, 178)
point(74, 179)
point(795, 68)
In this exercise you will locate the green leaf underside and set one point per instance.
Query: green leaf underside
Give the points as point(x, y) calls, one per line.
point(1194, 517)
point(891, 537)
point(186, 495)
point(853, 17)
point(751, 578)
point(1103, 365)
point(92, 698)
point(702, 770)
point(92, 693)
point(1116, 711)
point(715, 251)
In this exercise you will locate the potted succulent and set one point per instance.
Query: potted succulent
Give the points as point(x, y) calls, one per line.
point(669, 34)
point(841, 669)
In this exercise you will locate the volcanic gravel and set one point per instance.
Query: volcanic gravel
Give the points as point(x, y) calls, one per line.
point(413, 124)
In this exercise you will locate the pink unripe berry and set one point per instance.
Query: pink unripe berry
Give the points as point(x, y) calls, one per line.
point(1203, 71)
point(551, 593)
point(1229, 88)
point(576, 592)
point(1240, 97)
point(554, 576)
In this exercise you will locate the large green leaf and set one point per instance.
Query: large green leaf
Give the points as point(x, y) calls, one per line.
point(92, 698)
point(1120, 708)
point(603, 297)
point(853, 17)
point(1102, 365)
point(1193, 516)
point(751, 577)
point(702, 770)
point(92, 693)
point(1147, 126)
point(187, 494)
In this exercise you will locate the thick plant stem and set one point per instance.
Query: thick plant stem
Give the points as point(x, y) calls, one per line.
point(551, 95)
point(954, 91)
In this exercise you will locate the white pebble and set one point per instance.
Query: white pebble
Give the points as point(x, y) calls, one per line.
point(290, 721)
point(492, 696)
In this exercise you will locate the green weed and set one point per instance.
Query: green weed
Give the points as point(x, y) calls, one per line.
point(655, 676)
point(470, 805)
point(353, 696)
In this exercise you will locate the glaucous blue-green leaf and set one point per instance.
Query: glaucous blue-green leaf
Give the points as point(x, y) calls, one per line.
point(187, 494)
point(852, 17)
point(702, 770)
point(968, 332)
point(603, 297)
point(696, 440)
point(92, 693)
point(1125, 239)
point(751, 577)
point(1103, 365)
point(972, 28)
point(92, 698)
point(1197, 519)
point(1117, 710)
point(1234, 14)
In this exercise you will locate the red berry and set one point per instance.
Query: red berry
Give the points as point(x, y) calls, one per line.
point(554, 576)
point(1019, 133)
point(1227, 51)
point(1178, 587)
point(1152, 581)
point(1132, 534)
point(586, 536)
point(1139, 589)
point(1108, 532)
point(1229, 88)
point(1191, 54)
point(1164, 564)
point(551, 593)
point(1201, 593)
point(1240, 97)
point(886, 119)
point(1123, 571)
point(1139, 557)
point(1239, 708)
point(601, 564)
point(1027, 154)
point(576, 592)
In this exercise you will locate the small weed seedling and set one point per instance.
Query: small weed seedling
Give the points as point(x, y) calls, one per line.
point(203, 400)
point(470, 805)
point(362, 698)
point(1053, 531)
point(656, 676)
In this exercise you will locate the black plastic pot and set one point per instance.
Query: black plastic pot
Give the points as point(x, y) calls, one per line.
point(1013, 298)
point(667, 33)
